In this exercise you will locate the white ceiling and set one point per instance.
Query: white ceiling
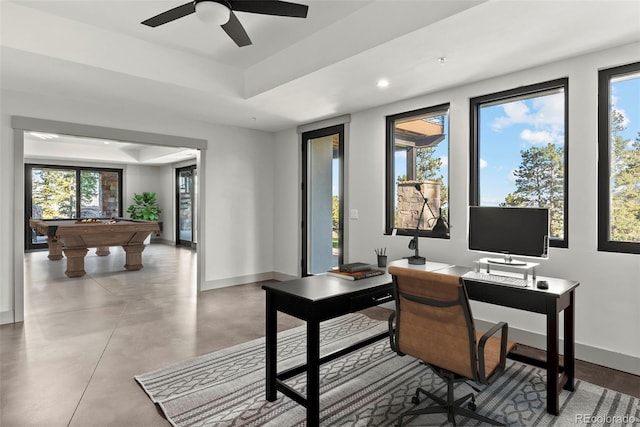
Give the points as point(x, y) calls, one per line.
point(46, 146)
point(298, 70)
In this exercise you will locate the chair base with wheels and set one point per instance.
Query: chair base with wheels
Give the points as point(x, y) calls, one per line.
point(449, 406)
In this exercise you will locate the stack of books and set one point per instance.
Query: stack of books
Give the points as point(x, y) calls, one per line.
point(355, 271)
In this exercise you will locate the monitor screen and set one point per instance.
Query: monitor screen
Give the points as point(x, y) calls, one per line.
point(509, 231)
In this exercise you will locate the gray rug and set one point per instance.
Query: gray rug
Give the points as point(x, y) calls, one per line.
point(370, 387)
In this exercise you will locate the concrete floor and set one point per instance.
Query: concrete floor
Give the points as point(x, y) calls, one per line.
point(72, 361)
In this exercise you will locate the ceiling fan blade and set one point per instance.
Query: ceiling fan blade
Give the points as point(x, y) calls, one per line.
point(236, 31)
point(270, 7)
point(170, 15)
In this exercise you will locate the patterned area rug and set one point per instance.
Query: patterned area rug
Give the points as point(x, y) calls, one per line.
point(370, 387)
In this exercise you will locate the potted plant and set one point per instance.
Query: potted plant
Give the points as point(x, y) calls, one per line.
point(145, 207)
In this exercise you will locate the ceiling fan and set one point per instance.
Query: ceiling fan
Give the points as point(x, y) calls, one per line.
point(220, 12)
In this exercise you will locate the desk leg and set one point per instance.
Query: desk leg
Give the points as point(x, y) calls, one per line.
point(570, 344)
point(553, 361)
point(313, 373)
point(271, 348)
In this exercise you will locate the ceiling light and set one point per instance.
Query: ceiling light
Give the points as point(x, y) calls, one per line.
point(442, 59)
point(44, 136)
point(383, 83)
point(212, 13)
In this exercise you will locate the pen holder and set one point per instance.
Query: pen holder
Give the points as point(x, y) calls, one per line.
point(382, 260)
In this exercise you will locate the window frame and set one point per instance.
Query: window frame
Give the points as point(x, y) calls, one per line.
point(28, 167)
point(474, 158)
point(445, 108)
point(604, 172)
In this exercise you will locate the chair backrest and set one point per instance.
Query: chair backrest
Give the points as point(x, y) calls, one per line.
point(434, 321)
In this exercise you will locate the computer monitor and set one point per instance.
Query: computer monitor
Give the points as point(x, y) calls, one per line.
point(509, 231)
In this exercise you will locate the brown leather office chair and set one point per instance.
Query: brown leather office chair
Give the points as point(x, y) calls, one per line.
point(433, 323)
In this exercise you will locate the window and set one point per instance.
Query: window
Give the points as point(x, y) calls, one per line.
point(518, 152)
point(619, 159)
point(418, 157)
point(58, 192)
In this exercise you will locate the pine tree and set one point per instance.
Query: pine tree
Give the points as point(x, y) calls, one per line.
point(428, 169)
point(624, 184)
point(540, 183)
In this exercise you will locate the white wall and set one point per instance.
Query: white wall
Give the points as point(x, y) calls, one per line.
point(607, 312)
point(288, 205)
point(238, 190)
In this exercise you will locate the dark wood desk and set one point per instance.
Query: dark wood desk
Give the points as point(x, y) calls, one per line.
point(318, 298)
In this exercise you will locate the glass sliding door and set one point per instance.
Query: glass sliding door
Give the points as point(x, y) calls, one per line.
point(65, 192)
point(322, 208)
point(186, 186)
point(99, 194)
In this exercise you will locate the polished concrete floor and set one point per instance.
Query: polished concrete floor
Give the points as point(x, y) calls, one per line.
point(73, 359)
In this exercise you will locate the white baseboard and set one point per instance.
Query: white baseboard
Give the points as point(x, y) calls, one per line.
point(283, 277)
point(6, 317)
point(598, 356)
point(240, 280)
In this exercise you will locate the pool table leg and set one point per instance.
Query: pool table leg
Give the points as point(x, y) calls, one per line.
point(75, 262)
point(133, 257)
point(102, 251)
point(55, 248)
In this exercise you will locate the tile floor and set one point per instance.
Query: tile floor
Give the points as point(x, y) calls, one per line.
point(72, 361)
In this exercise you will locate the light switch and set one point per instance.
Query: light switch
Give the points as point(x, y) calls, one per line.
point(353, 214)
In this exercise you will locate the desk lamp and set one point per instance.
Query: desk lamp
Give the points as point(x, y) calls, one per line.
point(416, 259)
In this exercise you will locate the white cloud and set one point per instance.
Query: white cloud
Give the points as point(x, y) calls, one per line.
point(512, 176)
point(537, 137)
point(483, 163)
point(546, 111)
point(444, 160)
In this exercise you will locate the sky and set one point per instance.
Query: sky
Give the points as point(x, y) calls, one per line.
point(508, 128)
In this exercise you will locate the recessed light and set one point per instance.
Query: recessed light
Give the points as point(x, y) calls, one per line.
point(442, 59)
point(43, 135)
point(383, 83)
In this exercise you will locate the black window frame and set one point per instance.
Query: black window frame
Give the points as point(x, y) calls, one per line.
point(474, 158)
point(28, 167)
point(390, 171)
point(604, 191)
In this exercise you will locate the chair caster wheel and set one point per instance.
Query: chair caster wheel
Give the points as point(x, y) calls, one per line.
point(472, 406)
point(415, 400)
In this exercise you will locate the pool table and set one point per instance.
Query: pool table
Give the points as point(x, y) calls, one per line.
point(75, 236)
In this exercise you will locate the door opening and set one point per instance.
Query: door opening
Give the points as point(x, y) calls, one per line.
point(322, 199)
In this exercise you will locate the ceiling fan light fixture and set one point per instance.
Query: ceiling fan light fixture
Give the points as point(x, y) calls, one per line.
point(212, 13)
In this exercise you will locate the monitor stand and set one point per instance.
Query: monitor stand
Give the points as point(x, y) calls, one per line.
point(507, 260)
point(525, 268)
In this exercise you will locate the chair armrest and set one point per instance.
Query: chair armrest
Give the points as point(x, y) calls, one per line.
point(392, 332)
point(504, 328)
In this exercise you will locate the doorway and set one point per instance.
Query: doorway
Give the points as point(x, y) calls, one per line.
point(23, 125)
point(186, 188)
point(322, 199)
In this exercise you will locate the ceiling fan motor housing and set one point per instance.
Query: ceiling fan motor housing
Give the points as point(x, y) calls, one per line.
point(214, 12)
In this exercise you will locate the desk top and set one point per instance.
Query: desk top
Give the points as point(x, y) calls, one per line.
point(323, 286)
point(557, 286)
